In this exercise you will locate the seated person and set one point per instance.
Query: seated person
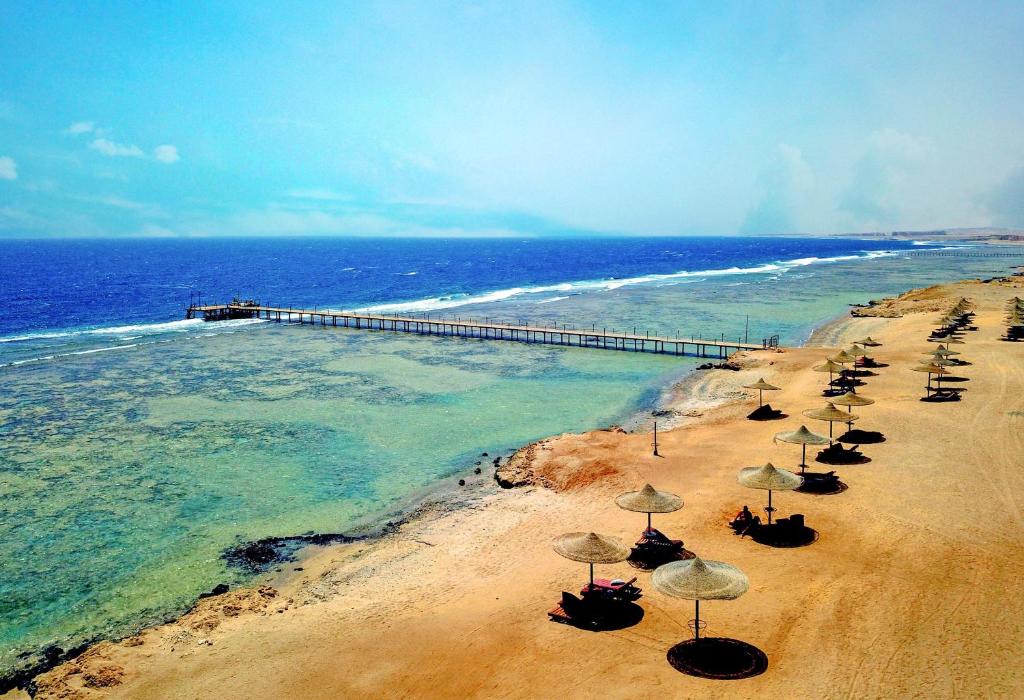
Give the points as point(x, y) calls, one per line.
point(744, 521)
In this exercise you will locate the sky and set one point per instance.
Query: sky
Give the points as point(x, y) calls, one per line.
point(444, 118)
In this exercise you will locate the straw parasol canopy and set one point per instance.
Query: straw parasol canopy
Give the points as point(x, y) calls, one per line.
point(762, 386)
point(769, 478)
point(804, 437)
point(856, 350)
point(591, 548)
point(830, 367)
point(852, 399)
point(649, 500)
point(937, 362)
point(843, 357)
point(932, 369)
point(869, 342)
point(942, 352)
point(699, 579)
point(831, 414)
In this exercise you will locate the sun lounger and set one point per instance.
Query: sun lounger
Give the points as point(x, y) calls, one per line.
point(607, 589)
point(574, 611)
point(837, 454)
point(654, 538)
point(820, 482)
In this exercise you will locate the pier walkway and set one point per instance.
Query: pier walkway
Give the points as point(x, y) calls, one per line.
point(592, 337)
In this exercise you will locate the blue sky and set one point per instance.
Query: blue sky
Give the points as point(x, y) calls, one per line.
point(479, 118)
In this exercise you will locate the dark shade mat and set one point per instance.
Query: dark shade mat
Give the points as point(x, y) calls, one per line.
point(718, 658)
point(787, 537)
point(822, 488)
point(766, 412)
point(861, 437)
point(607, 617)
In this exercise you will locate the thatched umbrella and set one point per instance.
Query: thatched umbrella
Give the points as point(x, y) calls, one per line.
point(932, 369)
point(802, 436)
point(850, 399)
point(831, 414)
point(649, 500)
point(769, 478)
point(699, 579)
point(937, 361)
point(830, 367)
point(869, 342)
point(942, 352)
point(762, 386)
point(591, 548)
point(843, 358)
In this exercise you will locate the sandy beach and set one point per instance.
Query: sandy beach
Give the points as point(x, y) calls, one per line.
point(909, 591)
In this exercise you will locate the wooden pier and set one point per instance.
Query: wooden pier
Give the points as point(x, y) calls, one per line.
point(593, 337)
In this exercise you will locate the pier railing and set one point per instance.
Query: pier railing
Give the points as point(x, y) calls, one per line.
point(487, 329)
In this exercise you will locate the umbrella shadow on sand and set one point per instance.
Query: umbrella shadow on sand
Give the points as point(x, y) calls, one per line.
point(719, 658)
point(833, 456)
point(643, 562)
point(822, 486)
point(783, 535)
point(607, 616)
point(861, 437)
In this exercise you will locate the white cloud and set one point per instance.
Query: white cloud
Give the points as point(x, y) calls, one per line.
point(113, 149)
point(8, 168)
point(80, 128)
point(166, 153)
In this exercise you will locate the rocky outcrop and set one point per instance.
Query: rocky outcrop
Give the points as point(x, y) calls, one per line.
point(517, 469)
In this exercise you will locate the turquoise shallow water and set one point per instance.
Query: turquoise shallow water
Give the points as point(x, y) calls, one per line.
point(128, 472)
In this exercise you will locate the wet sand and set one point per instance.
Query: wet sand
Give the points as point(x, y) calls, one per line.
point(911, 589)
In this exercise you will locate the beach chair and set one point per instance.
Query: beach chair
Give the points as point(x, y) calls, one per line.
point(654, 538)
point(571, 610)
point(820, 481)
point(837, 454)
point(611, 589)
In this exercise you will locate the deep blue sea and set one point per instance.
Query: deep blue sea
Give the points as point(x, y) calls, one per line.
point(77, 284)
point(136, 447)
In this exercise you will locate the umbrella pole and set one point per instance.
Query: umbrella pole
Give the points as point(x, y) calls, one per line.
point(696, 622)
point(591, 575)
point(769, 508)
point(760, 398)
point(803, 457)
point(648, 521)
